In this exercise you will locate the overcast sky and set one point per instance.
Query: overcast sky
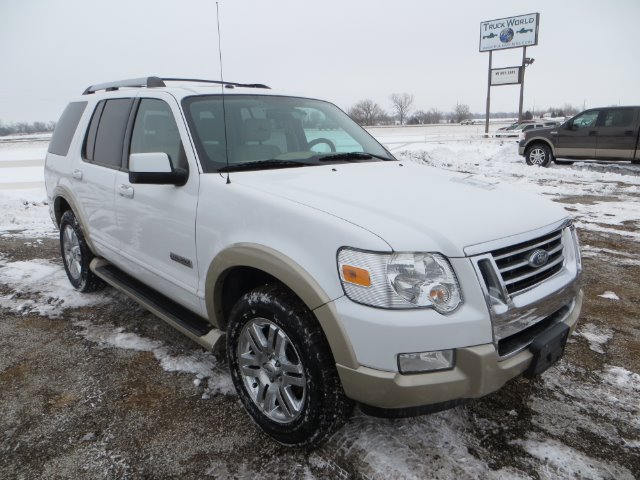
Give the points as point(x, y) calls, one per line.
point(342, 51)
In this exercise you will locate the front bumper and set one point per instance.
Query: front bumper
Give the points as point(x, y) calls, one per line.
point(478, 372)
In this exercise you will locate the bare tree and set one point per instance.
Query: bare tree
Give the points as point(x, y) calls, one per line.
point(460, 112)
point(402, 103)
point(433, 115)
point(367, 112)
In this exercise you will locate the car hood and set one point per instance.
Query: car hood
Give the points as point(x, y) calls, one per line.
point(411, 207)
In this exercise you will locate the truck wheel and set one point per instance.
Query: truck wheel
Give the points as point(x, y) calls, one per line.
point(77, 255)
point(538, 154)
point(282, 368)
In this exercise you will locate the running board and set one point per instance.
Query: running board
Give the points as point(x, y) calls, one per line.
point(180, 318)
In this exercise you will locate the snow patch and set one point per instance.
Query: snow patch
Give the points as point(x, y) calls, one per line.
point(573, 397)
point(25, 213)
point(610, 295)
point(565, 462)
point(202, 364)
point(42, 287)
point(596, 337)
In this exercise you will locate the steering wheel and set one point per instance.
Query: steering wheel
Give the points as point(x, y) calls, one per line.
point(316, 141)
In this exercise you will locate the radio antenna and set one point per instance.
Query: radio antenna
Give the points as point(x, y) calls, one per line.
point(224, 111)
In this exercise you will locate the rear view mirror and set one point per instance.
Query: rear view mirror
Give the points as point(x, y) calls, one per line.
point(155, 169)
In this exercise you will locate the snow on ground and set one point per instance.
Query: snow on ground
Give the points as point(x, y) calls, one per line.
point(562, 461)
point(597, 337)
point(25, 213)
point(11, 151)
point(610, 295)
point(199, 363)
point(40, 286)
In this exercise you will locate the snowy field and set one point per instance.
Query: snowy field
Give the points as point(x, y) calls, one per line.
point(581, 419)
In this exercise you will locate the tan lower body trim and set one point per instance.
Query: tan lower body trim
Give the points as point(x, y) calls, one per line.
point(478, 372)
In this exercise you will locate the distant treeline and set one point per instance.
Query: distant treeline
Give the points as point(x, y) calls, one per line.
point(25, 128)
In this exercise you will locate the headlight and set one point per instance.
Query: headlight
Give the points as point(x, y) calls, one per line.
point(399, 280)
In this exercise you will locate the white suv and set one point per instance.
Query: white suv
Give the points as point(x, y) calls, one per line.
point(334, 273)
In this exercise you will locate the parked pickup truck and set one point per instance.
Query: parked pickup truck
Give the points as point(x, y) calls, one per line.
point(330, 271)
point(596, 134)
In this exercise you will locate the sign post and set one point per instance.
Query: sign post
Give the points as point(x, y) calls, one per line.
point(501, 34)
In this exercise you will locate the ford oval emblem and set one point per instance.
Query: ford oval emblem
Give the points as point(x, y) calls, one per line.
point(538, 258)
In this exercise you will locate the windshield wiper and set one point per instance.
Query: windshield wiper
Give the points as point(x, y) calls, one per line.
point(263, 164)
point(352, 156)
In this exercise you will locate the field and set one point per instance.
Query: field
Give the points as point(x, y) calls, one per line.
point(93, 386)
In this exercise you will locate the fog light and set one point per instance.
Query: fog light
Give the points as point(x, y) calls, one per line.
point(426, 361)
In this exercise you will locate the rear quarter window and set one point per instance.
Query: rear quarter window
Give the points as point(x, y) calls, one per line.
point(66, 127)
point(109, 135)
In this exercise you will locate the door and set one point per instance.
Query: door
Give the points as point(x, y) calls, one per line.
point(156, 223)
point(94, 177)
point(617, 134)
point(578, 137)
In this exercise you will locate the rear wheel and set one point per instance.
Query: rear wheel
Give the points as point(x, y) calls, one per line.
point(538, 154)
point(77, 255)
point(282, 368)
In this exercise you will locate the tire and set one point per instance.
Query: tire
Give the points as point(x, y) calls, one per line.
point(76, 255)
point(563, 162)
point(288, 381)
point(538, 154)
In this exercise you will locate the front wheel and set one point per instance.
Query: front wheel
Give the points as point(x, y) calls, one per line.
point(282, 368)
point(77, 255)
point(538, 154)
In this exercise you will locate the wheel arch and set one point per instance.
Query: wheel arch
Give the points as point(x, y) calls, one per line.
point(63, 201)
point(244, 266)
point(543, 140)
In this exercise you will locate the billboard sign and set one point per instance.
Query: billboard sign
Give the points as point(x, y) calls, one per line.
point(511, 32)
point(505, 76)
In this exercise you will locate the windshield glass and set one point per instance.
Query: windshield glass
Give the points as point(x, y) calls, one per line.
point(275, 132)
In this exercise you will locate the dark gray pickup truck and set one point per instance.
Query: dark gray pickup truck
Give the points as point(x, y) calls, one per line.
point(597, 134)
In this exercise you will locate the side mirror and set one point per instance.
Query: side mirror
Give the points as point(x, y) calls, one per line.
point(155, 169)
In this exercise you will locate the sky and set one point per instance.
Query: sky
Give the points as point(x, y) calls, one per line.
point(338, 50)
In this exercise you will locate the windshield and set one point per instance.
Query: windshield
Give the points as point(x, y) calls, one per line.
point(275, 132)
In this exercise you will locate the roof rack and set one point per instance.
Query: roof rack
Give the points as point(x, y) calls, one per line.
point(154, 82)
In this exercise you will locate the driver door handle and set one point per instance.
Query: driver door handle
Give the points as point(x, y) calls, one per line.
point(125, 191)
point(593, 132)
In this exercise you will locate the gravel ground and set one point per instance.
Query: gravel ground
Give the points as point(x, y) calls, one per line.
point(77, 407)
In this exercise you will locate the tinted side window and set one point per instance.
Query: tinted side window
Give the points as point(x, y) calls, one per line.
point(622, 117)
point(66, 127)
point(586, 119)
point(111, 130)
point(90, 141)
point(155, 130)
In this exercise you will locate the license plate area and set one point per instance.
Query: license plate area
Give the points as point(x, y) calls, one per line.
point(547, 349)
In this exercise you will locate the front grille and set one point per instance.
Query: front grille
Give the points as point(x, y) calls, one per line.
point(516, 269)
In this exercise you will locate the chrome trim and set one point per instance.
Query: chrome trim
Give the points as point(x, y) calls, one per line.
point(499, 243)
point(538, 270)
point(512, 313)
point(529, 247)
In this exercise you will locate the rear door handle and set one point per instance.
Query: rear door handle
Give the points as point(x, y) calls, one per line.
point(125, 191)
point(593, 132)
point(77, 174)
point(628, 132)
